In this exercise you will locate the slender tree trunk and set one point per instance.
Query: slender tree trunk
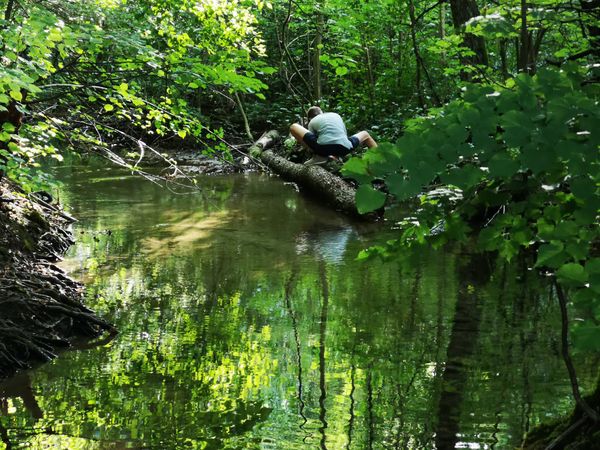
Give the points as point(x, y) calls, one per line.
point(9, 9)
point(322, 341)
point(463, 11)
point(525, 64)
point(503, 58)
point(583, 405)
point(442, 22)
point(284, 44)
point(352, 401)
point(244, 116)
point(317, 81)
point(413, 33)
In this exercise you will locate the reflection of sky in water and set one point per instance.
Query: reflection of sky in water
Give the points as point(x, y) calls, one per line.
point(328, 244)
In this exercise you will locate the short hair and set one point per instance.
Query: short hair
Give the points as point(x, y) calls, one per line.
point(313, 112)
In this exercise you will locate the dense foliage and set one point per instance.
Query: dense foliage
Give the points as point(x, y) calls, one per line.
point(518, 165)
point(107, 74)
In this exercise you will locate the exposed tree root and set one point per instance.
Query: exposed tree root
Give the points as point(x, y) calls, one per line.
point(576, 432)
point(41, 310)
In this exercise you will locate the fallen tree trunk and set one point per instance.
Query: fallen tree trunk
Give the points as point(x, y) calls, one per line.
point(315, 179)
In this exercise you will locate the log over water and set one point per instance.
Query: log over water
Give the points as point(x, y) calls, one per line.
point(315, 179)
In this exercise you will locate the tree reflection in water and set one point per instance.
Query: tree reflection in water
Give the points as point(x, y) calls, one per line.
point(245, 322)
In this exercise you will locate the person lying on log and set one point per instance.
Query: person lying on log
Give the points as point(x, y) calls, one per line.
point(327, 137)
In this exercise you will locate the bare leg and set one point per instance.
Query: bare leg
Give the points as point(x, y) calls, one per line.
point(365, 138)
point(298, 131)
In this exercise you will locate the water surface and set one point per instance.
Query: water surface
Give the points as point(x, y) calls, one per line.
point(246, 322)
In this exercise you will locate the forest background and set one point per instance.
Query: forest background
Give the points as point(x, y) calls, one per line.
point(488, 111)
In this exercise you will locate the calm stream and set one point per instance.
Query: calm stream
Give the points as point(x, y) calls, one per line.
point(246, 322)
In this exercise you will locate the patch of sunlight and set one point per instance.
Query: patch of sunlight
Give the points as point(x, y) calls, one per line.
point(189, 230)
point(109, 3)
point(44, 442)
point(108, 179)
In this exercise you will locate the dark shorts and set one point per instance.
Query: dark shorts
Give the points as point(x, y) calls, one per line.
point(310, 139)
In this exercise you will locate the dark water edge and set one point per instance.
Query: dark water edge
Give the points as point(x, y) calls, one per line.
point(245, 322)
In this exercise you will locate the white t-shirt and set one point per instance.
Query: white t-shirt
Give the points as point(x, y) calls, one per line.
point(330, 129)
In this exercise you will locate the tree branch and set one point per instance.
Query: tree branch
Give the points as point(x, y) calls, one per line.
point(581, 403)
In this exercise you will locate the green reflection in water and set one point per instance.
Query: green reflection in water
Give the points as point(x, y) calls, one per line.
point(246, 323)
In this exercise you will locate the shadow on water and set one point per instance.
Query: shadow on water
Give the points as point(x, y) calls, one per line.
point(246, 322)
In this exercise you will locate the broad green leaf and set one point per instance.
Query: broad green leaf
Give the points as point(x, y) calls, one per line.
point(592, 266)
point(586, 338)
point(16, 95)
point(551, 255)
point(572, 274)
point(538, 159)
point(368, 199)
point(8, 127)
point(463, 177)
point(502, 165)
point(401, 188)
point(356, 168)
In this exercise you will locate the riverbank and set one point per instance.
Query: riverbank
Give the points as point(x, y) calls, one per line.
point(42, 309)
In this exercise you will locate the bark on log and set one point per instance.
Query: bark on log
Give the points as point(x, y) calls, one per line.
point(315, 179)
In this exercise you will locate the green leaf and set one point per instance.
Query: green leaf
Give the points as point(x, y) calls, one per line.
point(182, 134)
point(401, 188)
point(108, 107)
point(508, 249)
point(583, 187)
point(572, 274)
point(586, 338)
point(537, 159)
point(16, 95)
point(469, 116)
point(463, 177)
point(566, 229)
point(356, 168)
point(503, 166)
point(8, 127)
point(551, 255)
point(592, 265)
point(517, 128)
point(456, 134)
point(341, 70)
point(579, 250)
point(368, 199)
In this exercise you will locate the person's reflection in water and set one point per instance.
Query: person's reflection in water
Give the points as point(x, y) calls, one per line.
point(330, 243)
